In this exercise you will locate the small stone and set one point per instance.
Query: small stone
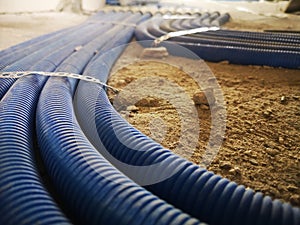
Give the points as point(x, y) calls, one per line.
point(205, 97)
point(248, 122)
point(157, 52)
point(204, 107)
point(226, 165)
point(248, 152)
point(236, 171)
point(132, 108)
point(236, 81)
point(129, 79)
point(296, 97)
point(269, 144)
point(292, 188)
point(121, 82)
point(283, 100)
point(253, 162)
point(267, 113)
point(271, 151)
point(199, 98)
point(281, 140)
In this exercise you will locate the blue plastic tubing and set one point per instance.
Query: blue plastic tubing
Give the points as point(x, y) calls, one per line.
point(196, 191)
point(24, 200)
point(93, 191)
point(271, 49)
point(66, 41)
point(19, 51)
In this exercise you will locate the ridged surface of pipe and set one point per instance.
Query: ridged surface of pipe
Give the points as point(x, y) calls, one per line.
point(26, 60)
point(201, 193)
point(271, 49)
point(93, 190)
point(23, 197)
point(24, 200)
point(193, 189)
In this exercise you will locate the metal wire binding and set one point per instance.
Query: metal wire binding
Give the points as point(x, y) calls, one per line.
point(182, 33)
point(19, 74)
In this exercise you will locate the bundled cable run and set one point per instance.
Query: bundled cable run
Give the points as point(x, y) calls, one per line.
point(53, 97)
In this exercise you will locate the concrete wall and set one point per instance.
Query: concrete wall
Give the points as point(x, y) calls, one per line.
point(11, 6)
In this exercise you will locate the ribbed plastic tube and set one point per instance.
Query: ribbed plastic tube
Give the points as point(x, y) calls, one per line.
point(259, 49)
point(220, 20)
point(204, 20)
point(30, 44)
point(24, 200)
point(196, 191)
point(91, 188)
point(28, 62)
point(14, 53)
point(225, 38)
point(239, 38)
point(217, 39)
point(61, 37)
point(24, 45)
point(23, 197)
point(67, 42)
point(193, 189)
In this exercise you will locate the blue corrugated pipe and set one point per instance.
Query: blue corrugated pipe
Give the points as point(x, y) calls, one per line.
point(230, 37)
point(93, 190)
point(195, 190)
point(88, 177)
point(24, 200)
point(16, 52)
point(27, 62)
point(281, 51)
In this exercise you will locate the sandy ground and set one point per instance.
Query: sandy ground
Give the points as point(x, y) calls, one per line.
point(261, 141)
point(260, 147)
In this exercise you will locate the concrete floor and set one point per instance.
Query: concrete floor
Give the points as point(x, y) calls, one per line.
point(16, 28)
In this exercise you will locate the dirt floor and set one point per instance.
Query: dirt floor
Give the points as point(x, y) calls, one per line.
point(261, 146)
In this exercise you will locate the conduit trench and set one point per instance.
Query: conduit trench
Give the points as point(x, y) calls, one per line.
point(91, 189)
